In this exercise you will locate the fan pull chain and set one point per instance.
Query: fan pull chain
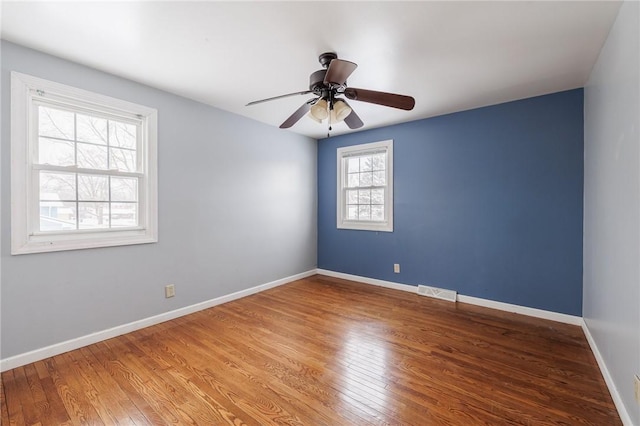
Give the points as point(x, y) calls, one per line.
point(329, 108)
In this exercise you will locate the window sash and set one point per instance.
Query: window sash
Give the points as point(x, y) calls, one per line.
point(43, 99)
point(34, 208)
point(345, 197)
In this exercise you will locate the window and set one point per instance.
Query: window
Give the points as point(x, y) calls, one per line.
point(83, 169)
point(365, 187)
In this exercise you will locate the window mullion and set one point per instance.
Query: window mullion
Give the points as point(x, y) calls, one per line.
point(140, 147)
point(108, 145)
point(109, 167)
point(109, 198)
point(75, 140)
point(77, 204)
point(34, 212)
point(33, 201)
point(75, 147)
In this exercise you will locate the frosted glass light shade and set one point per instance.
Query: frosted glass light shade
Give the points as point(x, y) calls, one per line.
point(319, 110)
point(342, 110)
point(311, 116)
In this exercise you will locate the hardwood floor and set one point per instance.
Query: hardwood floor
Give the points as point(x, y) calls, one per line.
point(322, 351)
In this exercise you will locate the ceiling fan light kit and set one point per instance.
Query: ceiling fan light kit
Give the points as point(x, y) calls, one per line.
point(319, 110)
point(341, 110)
point(328, 84)
point(322, 110)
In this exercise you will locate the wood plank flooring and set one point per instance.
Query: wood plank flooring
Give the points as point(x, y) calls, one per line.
point(322, 351)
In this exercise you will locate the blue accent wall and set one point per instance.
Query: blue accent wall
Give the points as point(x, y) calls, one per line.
point(488, 202)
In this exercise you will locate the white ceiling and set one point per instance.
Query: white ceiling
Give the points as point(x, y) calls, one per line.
point(450, 56)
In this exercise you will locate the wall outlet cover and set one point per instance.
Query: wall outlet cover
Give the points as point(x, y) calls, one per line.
point(169, 291)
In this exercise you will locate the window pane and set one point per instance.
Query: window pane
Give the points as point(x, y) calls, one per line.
point(124, 214)
point(57, 186)
point(377, 213)
point(364, 196)
point(122, 135)
point(57, 216)
point(92, 156)
point(55, 123)
point(352, 196)
point(379, 178)
point(365, 164)
point(377, 196)
point(122, 159)
point(364, 212)
point(379, 161)
point(353, 165)
point(93, 215)
point(91, 129)
point(352, 213)
point(354, 180)
point(124, 189)
point(93, 188)
point(366, 179)
point(55, 152)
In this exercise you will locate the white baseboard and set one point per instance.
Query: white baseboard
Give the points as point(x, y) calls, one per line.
point(613, 390)
point(365, 280)
point(522, 310)
point(69, 345)
point(508, 307)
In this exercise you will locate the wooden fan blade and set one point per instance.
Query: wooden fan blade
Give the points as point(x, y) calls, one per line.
point(278, 97)
point(381, 98)
point(300, 112)
point(352, 120)
point(339, 71)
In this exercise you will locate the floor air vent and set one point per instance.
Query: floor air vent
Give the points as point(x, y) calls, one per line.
point(438, 293)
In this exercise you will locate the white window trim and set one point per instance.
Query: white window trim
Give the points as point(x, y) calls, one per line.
point(342, 154)
point(24, 88)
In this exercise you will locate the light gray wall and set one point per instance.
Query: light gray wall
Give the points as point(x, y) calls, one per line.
point(237, 208)
point(612, 204)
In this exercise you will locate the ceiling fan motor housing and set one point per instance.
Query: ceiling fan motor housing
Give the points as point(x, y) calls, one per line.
point(316, 81)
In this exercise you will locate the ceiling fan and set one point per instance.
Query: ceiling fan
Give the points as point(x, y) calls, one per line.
point(329, 85)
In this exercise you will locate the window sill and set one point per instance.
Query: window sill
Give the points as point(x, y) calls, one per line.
point(44, 244)
point(366, 226)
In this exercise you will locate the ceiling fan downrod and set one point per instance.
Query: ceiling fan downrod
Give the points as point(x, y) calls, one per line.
point(326, 58)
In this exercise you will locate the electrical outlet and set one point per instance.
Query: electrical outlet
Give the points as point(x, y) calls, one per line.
point(396, 268)
point(169, 290)
point(636, 386)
